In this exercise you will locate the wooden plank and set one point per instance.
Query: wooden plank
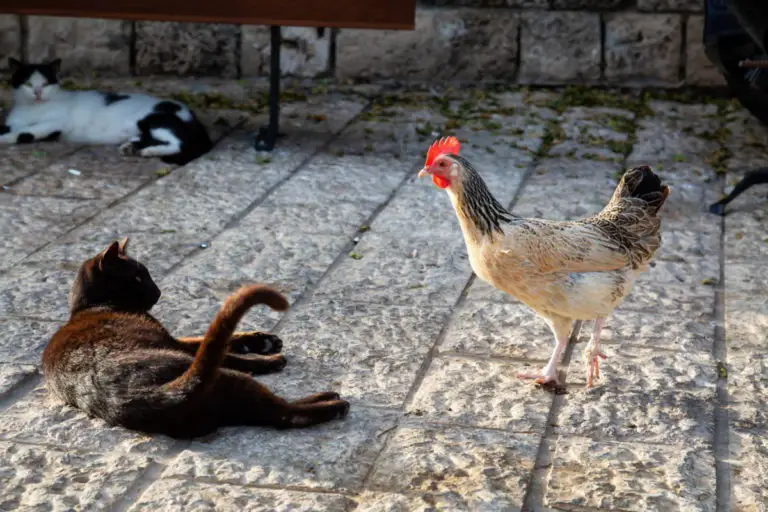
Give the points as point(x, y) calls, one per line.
point(375, 14)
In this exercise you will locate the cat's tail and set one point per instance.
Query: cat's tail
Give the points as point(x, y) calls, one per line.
point(201, 374)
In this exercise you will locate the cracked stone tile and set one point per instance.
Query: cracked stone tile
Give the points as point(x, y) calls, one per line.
point(352, 179)
point(746, 324)
point(682, 245)
point(691, 333)
point(289, 261)
point(630, 476)
point(685, 300)
point(383, 270)
point(597, 151)
point(220, 184)
point(102, 174)
point(187, 308)
point(641, 369)
point(23, 340)
point(41, 419)
point(679, 271)
point(481, 393)
point(276, 214)
point(370, 354)
point(551, 190)
point(686, 209)
point(659, 142)
point(181, 495)
point(38, 478)
point(609, 413)
point(36, 291)
point(159, 250)
point(473, 469)
point(30, 222)
point(498, 329)
point(335, 455)
point(19, 160)
point(11, 375)
point(391, 502)
point(378, 138)
point(746, 229)
point(330, 112)
point(749, 471)
point(747, 375)
point(602, 132)
point(746, 281)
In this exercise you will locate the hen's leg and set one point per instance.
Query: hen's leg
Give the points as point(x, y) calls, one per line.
point(593, 354)
point(561, 327)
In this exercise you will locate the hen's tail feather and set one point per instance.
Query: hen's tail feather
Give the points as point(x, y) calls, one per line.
point(201, 374)
point(642, 183)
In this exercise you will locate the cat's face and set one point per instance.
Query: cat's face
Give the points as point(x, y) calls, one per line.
point(112, 278)
point(34, 83)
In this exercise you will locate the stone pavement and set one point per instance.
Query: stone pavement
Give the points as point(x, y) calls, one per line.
point(387, 312)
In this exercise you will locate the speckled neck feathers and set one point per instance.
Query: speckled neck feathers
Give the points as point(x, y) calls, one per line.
point(476, 203)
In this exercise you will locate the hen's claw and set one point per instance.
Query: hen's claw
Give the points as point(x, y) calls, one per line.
point(541, 378)
point(593, 366)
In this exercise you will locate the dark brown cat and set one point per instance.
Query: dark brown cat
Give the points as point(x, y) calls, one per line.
point(115, 361)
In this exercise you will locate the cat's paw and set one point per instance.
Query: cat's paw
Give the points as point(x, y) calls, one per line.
point(256, 342)
point(128, 149)
point(276, 363)
point(343, 410)
point(25, 138)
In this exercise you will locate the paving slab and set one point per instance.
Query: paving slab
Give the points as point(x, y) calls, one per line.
point(479, 469)
point(23, 340)
point(482, 394)
point(337, 455)
point(180, 495)
point(11, 375)
point(39, 478)
point(374, 265)
point(37, 418)
point(630, 476)
point(749, 463)
point(368, 353)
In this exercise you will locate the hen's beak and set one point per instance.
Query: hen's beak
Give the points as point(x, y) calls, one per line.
point(423, 172)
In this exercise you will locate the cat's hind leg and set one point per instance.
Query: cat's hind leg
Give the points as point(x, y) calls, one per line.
point(129, 148)
point(239, 400)
point(250, 342)
point(166, 144)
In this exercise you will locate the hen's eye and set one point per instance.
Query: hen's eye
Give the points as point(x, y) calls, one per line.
point(138, 279)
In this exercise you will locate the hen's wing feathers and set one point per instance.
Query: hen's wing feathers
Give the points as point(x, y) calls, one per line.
point(625, 232)
point(564, 246)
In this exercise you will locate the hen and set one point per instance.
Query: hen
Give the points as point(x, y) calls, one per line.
point(564, 271)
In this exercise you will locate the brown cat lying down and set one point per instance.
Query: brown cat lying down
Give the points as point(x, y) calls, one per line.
point(115, 361)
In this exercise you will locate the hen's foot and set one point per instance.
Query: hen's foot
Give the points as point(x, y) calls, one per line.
point(593, 365)
point(546, 376)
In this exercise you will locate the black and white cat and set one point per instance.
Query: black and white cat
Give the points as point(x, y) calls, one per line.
point(140, 124)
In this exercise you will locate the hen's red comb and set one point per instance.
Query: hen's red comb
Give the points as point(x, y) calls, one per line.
point(445, 145)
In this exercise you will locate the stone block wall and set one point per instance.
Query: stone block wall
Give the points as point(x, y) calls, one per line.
point(547, 42)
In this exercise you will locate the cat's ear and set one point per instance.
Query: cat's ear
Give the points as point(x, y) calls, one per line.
point(13, 64)
point(109, 255)
point(123, 246)
point(55, 65)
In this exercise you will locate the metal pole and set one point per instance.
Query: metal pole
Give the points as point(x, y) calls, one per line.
point(265, 140)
